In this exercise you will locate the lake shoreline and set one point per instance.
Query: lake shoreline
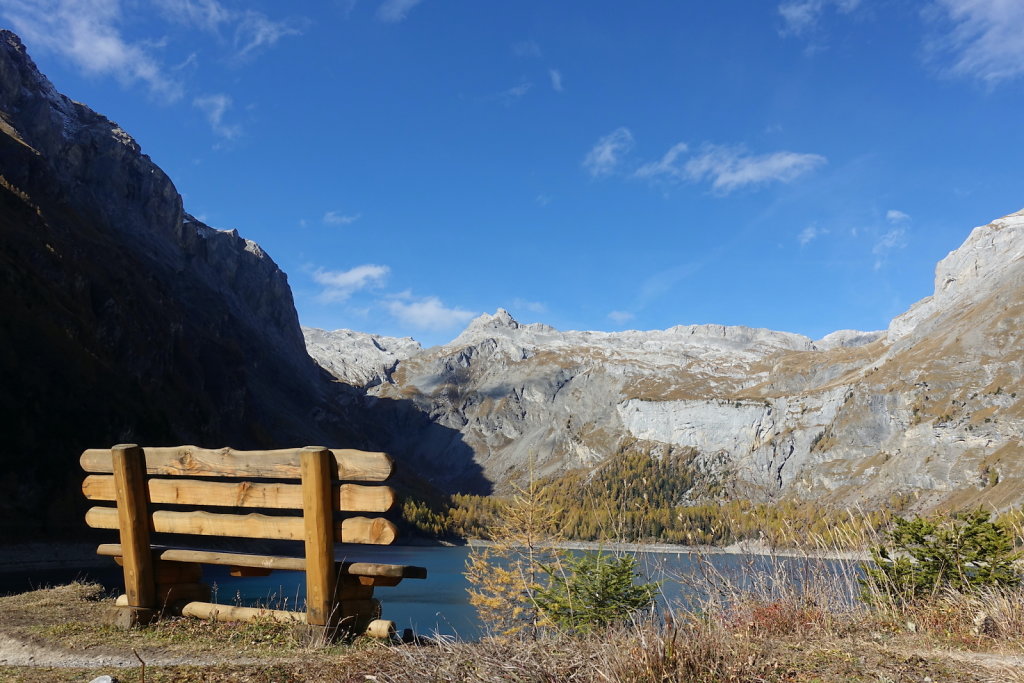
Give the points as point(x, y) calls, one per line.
point(28, 557)
point(740, 548)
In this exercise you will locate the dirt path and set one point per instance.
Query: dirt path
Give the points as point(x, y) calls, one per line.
point(1009, 668)
point(17, 652)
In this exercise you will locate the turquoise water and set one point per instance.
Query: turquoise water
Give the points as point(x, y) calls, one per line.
point(440, 604)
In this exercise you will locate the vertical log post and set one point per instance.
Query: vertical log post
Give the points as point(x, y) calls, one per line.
point(316, 467)
point(129, 463)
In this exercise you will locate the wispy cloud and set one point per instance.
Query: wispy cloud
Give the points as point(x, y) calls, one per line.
point(620, 317)
point(896, 216)
point(895, 238)
point(86, 33)
point(255, 31)
point(556, 80)
point(393, 11)
point(339, 285)
point(215, 106)
point(983, 39)
point(668, 165)
point(527, 48)
point(809, 234)
point(729, 167)
point(336, 218)
point(428, 313)
point(208, 15)
point(802, 16)
point(605, 156)
point(250, 30)
point(514, 93)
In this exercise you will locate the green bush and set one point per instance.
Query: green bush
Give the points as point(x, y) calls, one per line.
point(592, 591)
point(963, 551)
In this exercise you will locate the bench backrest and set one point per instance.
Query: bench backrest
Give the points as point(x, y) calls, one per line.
point(312, 480)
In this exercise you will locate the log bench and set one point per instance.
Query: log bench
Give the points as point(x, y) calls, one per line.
point(313, 480)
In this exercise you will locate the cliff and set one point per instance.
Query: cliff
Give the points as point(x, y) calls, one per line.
point(123, 318)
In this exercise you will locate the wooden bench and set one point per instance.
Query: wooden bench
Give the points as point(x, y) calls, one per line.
point(339, 595)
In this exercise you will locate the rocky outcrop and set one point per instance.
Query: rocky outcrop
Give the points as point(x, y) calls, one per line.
point(931, 410)
point(358, 358)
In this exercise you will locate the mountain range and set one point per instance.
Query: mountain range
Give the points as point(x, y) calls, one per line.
point(929, 410)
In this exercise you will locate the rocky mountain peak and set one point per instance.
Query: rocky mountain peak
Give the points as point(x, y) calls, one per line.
point(486, 326)
point(969, 272)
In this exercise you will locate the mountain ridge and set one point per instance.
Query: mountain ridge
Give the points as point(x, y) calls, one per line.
point(926, 409)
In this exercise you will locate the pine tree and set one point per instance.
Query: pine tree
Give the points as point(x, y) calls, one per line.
point(593, 591)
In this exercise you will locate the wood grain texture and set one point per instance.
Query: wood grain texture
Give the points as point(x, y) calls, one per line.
point(349, 464)
point(270, 561)
point(245, 494)
point(132, 520)
point(318, 534)
point(380, 628)
point(215, 557)
point(374, 531)
point(209, 610)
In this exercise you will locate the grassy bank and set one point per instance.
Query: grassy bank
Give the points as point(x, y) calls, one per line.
point(777, 627)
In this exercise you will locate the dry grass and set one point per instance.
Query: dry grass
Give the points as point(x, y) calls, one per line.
point(779, 619)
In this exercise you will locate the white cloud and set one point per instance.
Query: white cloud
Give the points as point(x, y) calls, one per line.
point(810, 233)
point(603, 158)
point(984, 39)
point(255, 30)
point(335, 218)
point(896, 216)
point(543, 199)
point(339, 285)
point(251, 29)
point(620, 317)
point(205, 14)
point(729, 167)
point(86, 33)
point(802, 16)
point(556, 79)
point(428, 313)
point(668, 164)
point(896, 238)
point(215, 106)
point(395, 10)
point(531, 306)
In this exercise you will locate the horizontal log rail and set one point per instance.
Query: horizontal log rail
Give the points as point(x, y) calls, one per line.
point(374, 531)
point(245, 494)
point(397, 571)
point(352, 465)
point(209, 610)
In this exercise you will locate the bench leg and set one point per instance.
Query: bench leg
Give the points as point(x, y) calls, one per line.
point(318, 518)
point(129, 465)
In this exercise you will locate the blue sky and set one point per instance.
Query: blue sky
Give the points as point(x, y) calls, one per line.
point(798, 165)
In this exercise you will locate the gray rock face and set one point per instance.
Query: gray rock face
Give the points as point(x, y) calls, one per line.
point(929, 408)
point(356, 357)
